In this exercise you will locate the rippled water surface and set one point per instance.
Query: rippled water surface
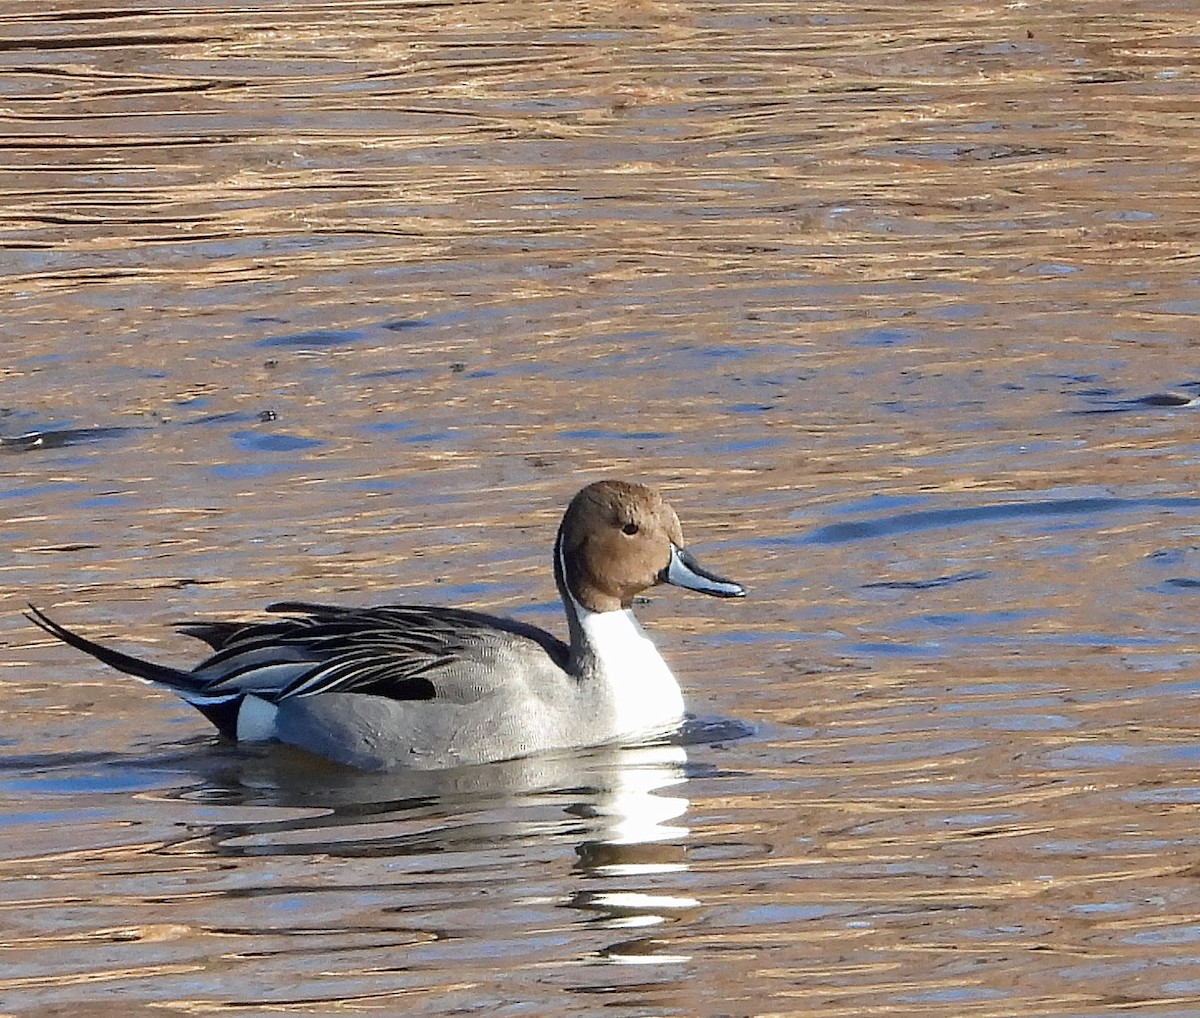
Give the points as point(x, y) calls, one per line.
point(343, 301)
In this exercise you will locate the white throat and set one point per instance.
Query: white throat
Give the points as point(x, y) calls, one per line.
point(645, 696)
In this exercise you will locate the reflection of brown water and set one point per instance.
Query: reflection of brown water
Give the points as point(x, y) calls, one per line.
point(374, 288)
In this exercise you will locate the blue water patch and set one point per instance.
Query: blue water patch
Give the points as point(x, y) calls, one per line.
point(39, 489)
point(886, 336)
point(425, 437)
point(777, 915)
point(90, 782)
point(272, 441)
point(973, 820)
point(101, 501)
point(721, 352)
point(1178, 307)
point(52, 818)
point(490, 591)
point(1172, 557)
point(397, 429)
point(315, 339)
point(1031, 723)
point(594, 433)
point(893, 649)
point(748, 445)
point(1003, 688)
point(953, 995)
point(959, 312)
point(747, 636)
point(947, 620)
point(1101, 908)
point(544, 609)
point(1173, 935)
point(936, 519)
point(1173, 796)
point(248, 471)
point(377, 484)
point(1093, 754)
point(877, 503)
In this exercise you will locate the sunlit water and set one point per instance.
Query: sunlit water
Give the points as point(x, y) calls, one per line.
point(344, 302)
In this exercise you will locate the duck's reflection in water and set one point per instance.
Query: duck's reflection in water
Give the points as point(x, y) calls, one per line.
point(621, 806)
point(622, 809)
point(629, 871)
point(499, 833)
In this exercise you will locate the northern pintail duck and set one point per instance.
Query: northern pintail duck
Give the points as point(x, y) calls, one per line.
point(427, 687)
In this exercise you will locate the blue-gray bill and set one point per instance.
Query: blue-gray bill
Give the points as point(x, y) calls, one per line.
point(684, 571)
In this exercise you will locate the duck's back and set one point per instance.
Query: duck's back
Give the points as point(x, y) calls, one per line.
point(396, 685)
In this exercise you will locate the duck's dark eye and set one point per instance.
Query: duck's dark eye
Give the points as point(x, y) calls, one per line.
point(629, 528)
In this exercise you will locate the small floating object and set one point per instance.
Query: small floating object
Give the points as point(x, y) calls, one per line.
point(57, 438)
point(1159, 400)
point(1169, 399)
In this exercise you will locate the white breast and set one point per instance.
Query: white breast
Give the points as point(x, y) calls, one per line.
point(645, 694)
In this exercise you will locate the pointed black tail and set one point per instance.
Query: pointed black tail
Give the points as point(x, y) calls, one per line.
point(181, 681)
point(221, 709)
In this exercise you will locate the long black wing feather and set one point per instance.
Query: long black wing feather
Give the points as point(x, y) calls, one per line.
point(405, 652)
point(398, 651)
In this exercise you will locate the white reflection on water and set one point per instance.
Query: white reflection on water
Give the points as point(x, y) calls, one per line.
point(609, 794)
point(640, 838)
point(623, 808)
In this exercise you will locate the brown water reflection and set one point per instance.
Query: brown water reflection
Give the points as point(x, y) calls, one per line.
point(344, 301)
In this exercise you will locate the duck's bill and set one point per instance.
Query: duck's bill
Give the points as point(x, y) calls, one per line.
point(685, 571)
